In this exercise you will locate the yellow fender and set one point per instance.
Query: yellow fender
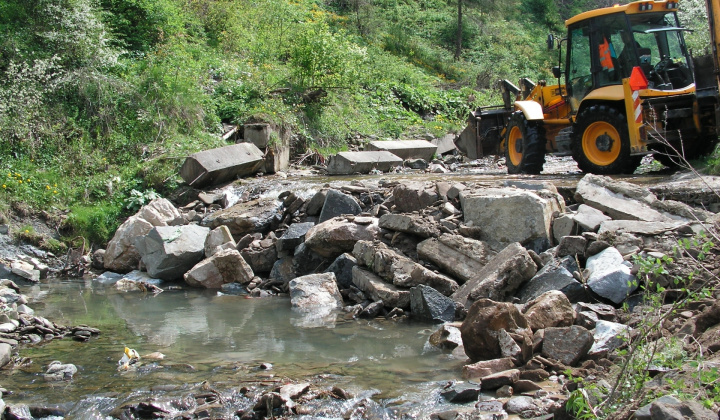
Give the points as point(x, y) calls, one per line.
point(532, 110)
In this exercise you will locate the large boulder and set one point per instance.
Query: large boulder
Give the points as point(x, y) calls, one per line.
point(427, 304)
point(335, 236)
point(410, 198)
point(168, 252)
point(624, 201)
point(493, 330)
point(121, 255)
point(500, 278)
point(338, 204)
point(245, 218)
point(551, 309)
point(461, 257)
point(226, 266)
point(399, 269)
point(315, 292)
point(507, 215)
point(608, 336)
point(609, 277)
point(342, 268)
point(261, 256)
point(566, 344)
point(161, 212)
point(5, 354)
point(222, 164)
point(379, 290)
point(219, 238)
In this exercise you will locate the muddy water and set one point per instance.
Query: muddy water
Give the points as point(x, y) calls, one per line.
point(222, 339)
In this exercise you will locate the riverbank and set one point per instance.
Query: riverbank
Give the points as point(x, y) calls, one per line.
point(438, 219)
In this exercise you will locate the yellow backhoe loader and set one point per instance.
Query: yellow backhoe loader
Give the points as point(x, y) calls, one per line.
point(629, 91)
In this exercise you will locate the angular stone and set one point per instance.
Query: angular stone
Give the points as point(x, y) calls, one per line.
point(555, 275)
point(405, 149)
point(259, 134)
point(346, 163)
point(551, 309)
point(342, 268)
point(410, 198)
point(529, 213)
point(223, 164)
point(496, 380)
point(161, 212)
point(487, 367)
point(315, 291)
point(481, 330)
point(121, 255)
point(461, 392)
point(218, 239)
point(244, 218)
point(607, 336)
point(620, 200)
point(571, 245)
point(5, 354)
point(168, 252)
point(398, 269)
point(226, 266)
point(526, 407)
point(410, 223)
point(500, 278)
point(338, 204)
point(589, 218)
point(459, 256)
point(609, 277)
point(57, 371)
point(315, 204)
point(379, 290)
point(428, 304)
point(639, 227)
point(293, 236)
point(336, 236)
point(567, 344)
point(25, 270)
point(283, 270)
point(306, 261)
point(563, 225)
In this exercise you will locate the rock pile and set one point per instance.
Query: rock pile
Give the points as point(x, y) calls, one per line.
point(533, 279)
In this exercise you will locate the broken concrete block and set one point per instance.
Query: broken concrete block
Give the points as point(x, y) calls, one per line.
point(223, 164)
point(405, 149)
point(457, 255)
point(346, 163)
point(259, 134)
point(589, 218)
point(379, 290)
point(445, 144)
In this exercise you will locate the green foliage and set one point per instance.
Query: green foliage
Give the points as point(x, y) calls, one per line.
point(138, 199)
point(97, 223)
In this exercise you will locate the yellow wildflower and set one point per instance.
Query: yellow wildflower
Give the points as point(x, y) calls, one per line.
point(47, 187)
point(55, 192)
point(4, 186)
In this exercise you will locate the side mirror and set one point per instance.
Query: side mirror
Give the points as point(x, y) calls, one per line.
point(556, 72)
point(550, 42)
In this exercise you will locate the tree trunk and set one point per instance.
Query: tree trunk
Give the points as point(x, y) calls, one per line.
point(458, 38)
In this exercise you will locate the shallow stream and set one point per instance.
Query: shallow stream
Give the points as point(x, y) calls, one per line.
point(222, 339)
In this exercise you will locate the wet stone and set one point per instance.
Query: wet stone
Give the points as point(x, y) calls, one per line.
point(461, 392)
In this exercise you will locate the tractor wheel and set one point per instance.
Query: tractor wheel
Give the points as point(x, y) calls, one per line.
point(524, 145)
point(601, 143)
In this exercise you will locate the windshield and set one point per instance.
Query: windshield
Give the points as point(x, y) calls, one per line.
point(661, 51)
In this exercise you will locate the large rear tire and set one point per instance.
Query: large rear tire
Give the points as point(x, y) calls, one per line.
point(524, 145)
point(601, 143)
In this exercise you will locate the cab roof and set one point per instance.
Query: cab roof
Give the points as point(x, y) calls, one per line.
point(631, 8)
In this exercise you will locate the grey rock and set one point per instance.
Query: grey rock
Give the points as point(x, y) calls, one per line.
point(555, 275)
point(260, 259)
point(487, 326)
point(428, 304)
point(529, 213)
point(293, 236)
point(500, 278)
point(217, 239)
point(168, 252)
point(337, 204)
point(342, 268)
point(405, 149)
point(378, 290)
point(609, 277)
point(398, 269)
point(410, 198)
point(551, 309)
point(283, 270)
point(526, 406)
point(245, 218)
point(563, 225)
point(496, 380)
point(315, 291)
point(571, 245)
point(608, 336)
point(336, 236)
point(589, 218)
point(5, 354)
point(461, 392)
point(371, 310)
point(346, 163)
point(226, 266)
point(485, 368)
point(461, 257)
point(446, 337)
point(305, 261)
point(58, 371)
point(414, 224)
point(567, 344)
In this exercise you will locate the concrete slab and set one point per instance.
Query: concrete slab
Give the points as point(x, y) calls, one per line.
point(259, 134)
point(223, 164)
point(346, 163)
point(405, 149)
point(445, 144)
